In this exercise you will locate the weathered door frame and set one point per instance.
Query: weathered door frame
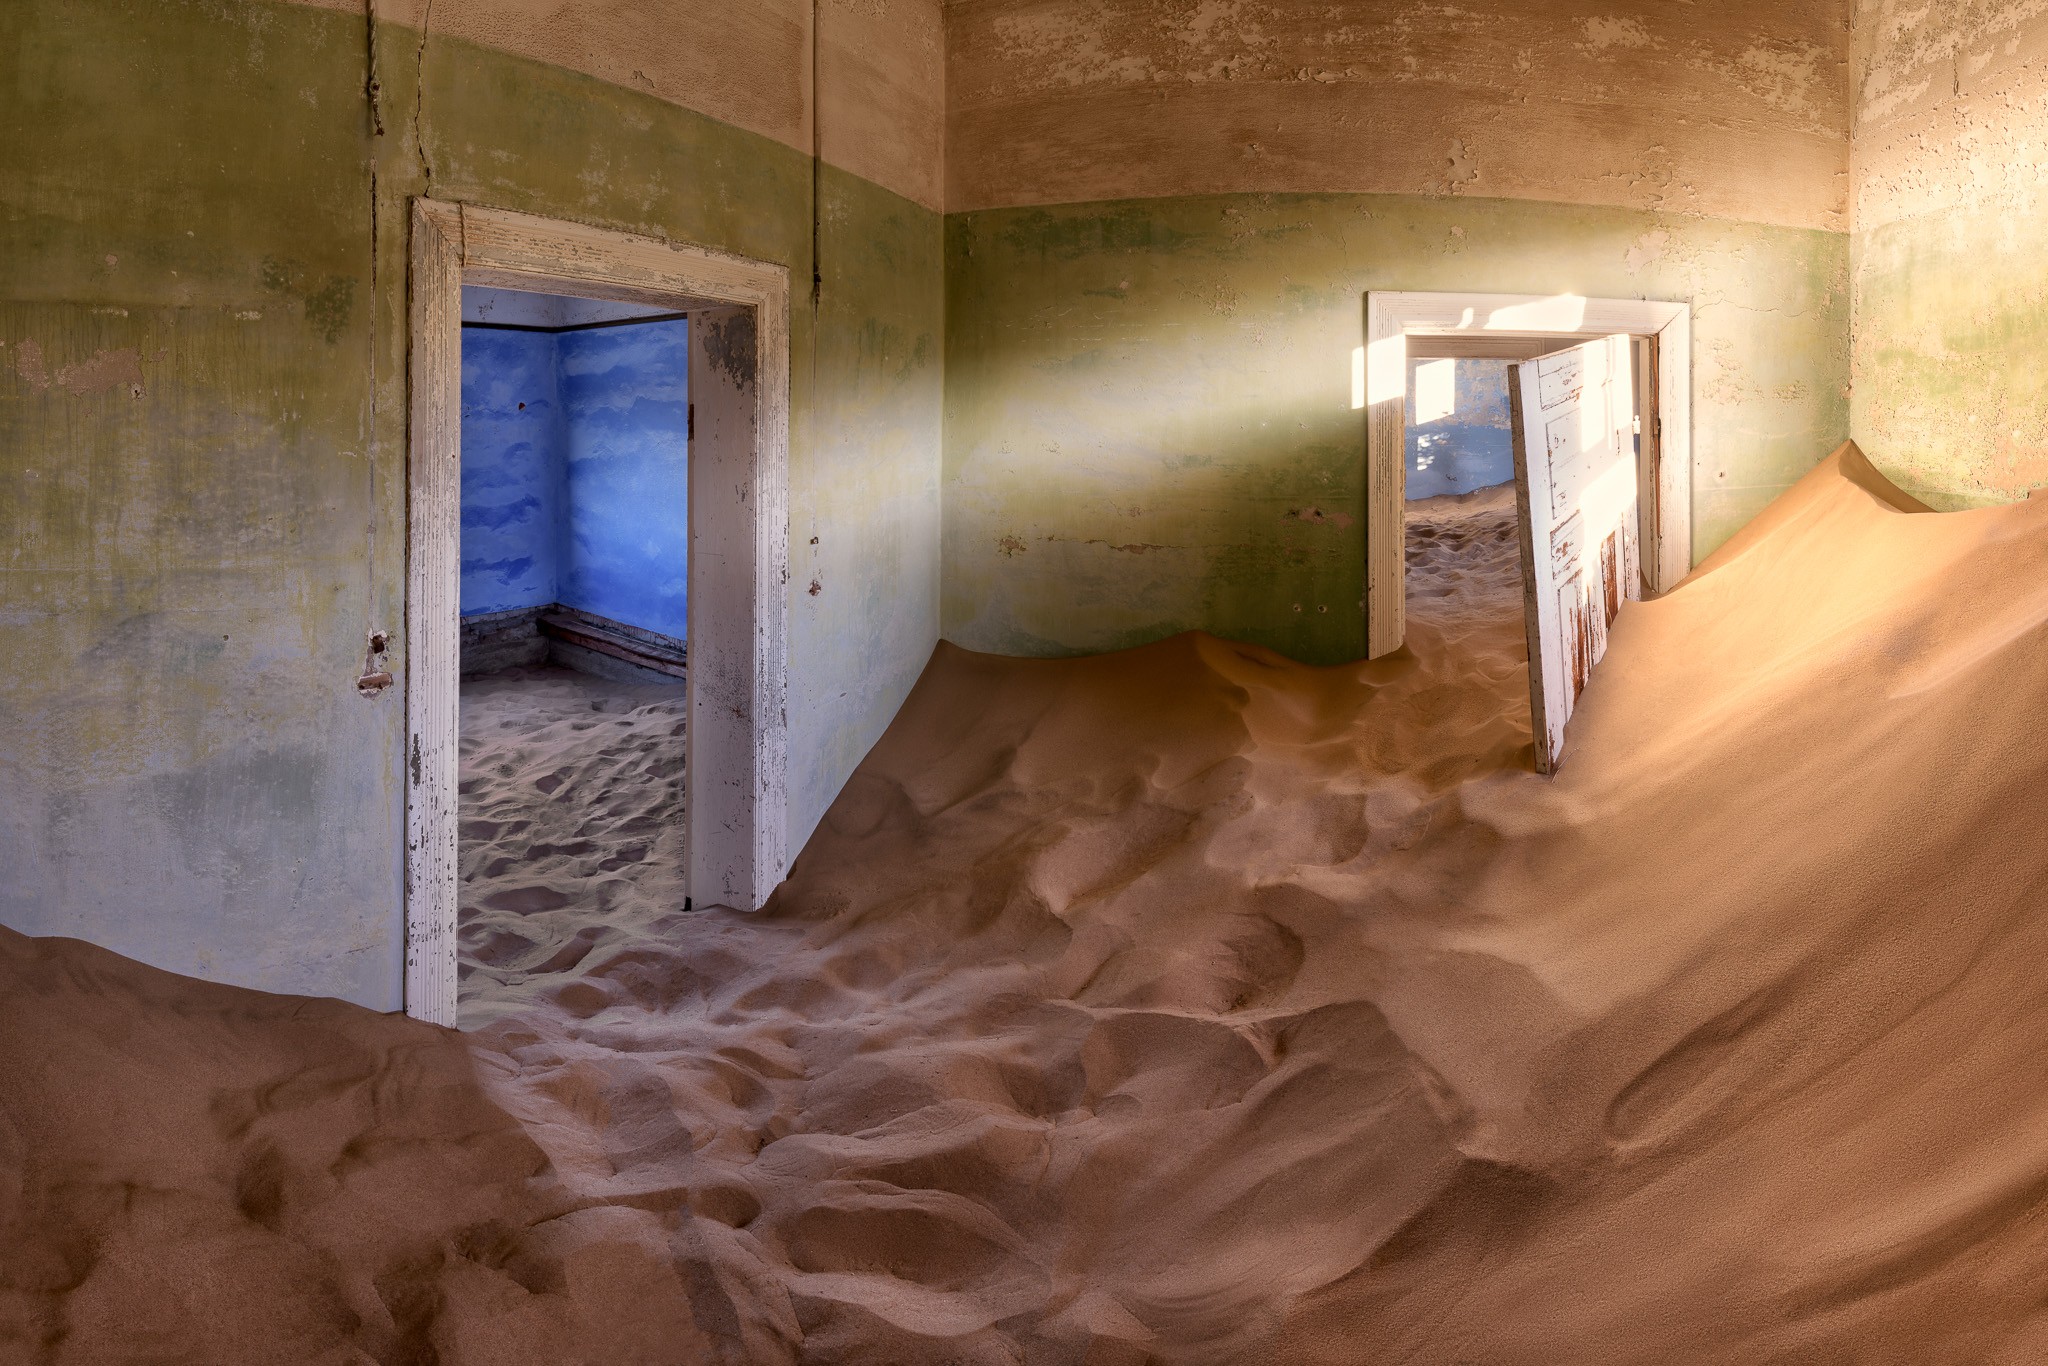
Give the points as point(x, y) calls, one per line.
point(736, 774)
point(1381, 387)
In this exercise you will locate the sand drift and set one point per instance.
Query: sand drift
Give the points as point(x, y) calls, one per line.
point(1188, 1005)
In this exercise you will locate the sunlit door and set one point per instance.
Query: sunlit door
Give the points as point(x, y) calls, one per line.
point(1575, 486)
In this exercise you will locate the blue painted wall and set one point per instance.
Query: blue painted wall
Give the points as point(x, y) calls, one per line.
point(575, 472)
point(625, 395)
point(1473, 446)
point(511, 470)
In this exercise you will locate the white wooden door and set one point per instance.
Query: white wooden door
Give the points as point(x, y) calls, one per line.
point(1575, 487)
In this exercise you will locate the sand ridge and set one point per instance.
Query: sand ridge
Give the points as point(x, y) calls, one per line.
point(1191, 1005)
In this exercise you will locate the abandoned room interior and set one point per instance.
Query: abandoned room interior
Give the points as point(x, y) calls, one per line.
point(1023, 681)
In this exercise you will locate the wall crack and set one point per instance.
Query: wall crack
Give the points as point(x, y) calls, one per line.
point(419, 102)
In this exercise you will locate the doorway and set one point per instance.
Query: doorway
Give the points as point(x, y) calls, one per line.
point(1461, 560)
point(1401, 326)
point(735, 774)
point(574, 632)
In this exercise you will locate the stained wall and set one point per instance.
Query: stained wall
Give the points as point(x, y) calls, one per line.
point(1164, 218)
point(513, 493)
point(1950, 240)
point(203, 230)
point(1160, 222)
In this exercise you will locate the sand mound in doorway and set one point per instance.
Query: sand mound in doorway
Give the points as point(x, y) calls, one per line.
point(1190, 1005)
point(571, 811)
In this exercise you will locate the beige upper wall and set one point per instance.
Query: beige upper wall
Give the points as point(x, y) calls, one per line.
point(881, 72)
point(1948, 107)
point(1729, 108)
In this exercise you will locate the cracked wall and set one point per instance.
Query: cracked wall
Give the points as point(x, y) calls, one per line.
point(1163, 218)
point(202, 439)
point(1951, 297)
point(881, 65)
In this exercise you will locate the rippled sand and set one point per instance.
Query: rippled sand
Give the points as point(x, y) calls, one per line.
point(571, 825)
point(1179, 1005)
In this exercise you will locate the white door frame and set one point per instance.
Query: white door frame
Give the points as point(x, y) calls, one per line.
point(736, 773)
point(1380, 385)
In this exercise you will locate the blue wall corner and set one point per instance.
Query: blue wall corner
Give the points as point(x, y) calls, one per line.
point(581, 495)
point(625, 391)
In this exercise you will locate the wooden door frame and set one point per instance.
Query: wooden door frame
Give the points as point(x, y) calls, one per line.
point(736, 772)
point(1380, 386)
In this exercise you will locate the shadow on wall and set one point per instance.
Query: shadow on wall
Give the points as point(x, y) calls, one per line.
point(575, 474)
point(1459, 434)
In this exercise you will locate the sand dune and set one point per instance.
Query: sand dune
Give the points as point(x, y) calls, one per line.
point(1187, 1005)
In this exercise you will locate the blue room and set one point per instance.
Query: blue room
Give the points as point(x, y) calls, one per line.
point(574, 621)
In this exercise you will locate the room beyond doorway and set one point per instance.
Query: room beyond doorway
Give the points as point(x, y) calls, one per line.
point(1458, 435)
point(575, 485)
point(735, 778)
point(574, 635)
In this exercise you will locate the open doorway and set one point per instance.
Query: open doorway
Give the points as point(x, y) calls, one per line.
point(1406, 330)
point(1462, 553)
point(732, 806)
point(574, 625)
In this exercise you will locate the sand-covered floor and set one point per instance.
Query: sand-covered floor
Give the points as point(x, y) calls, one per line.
point(1191, 1005)
point(571, 826)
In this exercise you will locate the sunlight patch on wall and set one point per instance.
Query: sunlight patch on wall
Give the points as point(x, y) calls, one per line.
point(1436, 391)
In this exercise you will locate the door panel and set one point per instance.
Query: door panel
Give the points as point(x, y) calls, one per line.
point(1576, 489)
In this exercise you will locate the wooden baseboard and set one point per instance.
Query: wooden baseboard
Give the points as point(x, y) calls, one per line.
point(641, 648)
point(527, 636)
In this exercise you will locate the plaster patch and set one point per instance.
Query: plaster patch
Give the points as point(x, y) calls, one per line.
point(1604, 33)
point(1647, 251)
point(105, 370)
point(28, 363)
point(1463, 169)
point(1780, 74)
point(1058, 101)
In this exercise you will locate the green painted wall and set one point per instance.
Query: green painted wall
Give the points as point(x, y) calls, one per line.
point(1145, 412)
point(1951, 395)
point(202, 279)
point(1148, 403)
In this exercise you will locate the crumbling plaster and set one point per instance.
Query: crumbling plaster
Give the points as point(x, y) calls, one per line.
point(1732, 110)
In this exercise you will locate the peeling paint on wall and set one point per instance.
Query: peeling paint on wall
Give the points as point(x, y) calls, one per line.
point(731, 345)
